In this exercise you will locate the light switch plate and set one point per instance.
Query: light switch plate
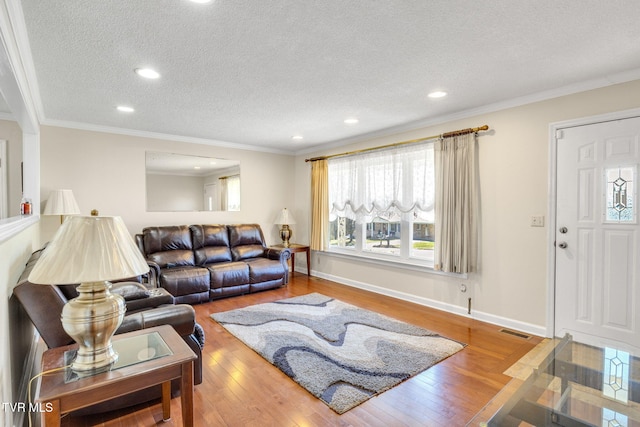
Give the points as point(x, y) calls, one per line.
point(537, 221)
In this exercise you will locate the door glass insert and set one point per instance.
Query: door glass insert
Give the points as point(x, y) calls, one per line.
point(620, 194)
point(615, 377)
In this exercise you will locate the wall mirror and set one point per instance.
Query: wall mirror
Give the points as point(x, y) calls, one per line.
point(11, 170)
point(185, 183)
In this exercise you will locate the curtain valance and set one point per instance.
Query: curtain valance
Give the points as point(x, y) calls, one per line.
point(385, 183)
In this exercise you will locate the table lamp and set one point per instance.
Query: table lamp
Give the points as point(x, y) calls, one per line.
point(91, 250)
point(284, 220)
point(61, 202)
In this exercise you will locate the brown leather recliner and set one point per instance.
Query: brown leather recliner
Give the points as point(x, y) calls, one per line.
point(146, 308)
point(199, 263)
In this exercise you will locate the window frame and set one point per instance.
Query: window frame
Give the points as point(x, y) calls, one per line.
point(406, 223)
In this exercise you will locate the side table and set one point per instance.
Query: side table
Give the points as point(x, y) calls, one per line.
point(295, 248)
point(146, 358)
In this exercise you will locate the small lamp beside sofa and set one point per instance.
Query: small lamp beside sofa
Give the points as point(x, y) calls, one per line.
point(146, 308)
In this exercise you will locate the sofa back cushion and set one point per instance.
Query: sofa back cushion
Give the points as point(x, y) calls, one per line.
point(210, 243)
point(246, 241)
point(168, 246)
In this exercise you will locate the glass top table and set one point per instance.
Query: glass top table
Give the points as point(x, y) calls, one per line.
point(575, 385)
point(131, 350)
point(147, 357)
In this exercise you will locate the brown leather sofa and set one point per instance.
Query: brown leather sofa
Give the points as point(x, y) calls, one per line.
point(200, 263)
point(146, 308)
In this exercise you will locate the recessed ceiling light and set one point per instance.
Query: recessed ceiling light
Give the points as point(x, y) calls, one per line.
point(147, 73)
point(201, 1)
point(125, 109)
point(297, 137)
point(437, 94)
point(351, 121)
point(196, 167)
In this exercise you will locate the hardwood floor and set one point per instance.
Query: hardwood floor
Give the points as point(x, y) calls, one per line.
point(240, 388)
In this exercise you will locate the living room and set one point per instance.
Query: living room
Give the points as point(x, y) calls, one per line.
point(105, 168)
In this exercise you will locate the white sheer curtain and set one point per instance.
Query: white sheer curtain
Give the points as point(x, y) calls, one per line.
point(230, 193)
point(392, 181)
point(457, 209)
point(233, 193)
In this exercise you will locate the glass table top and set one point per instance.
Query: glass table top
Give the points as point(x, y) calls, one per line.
point(131, 350)
point(575, 385)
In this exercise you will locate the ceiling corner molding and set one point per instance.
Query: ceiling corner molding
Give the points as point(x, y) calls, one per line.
point(158, 135)
point(18, 77)
point(584, 86)
point(7, 116)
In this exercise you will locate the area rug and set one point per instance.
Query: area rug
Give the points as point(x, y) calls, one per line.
point(340, 353)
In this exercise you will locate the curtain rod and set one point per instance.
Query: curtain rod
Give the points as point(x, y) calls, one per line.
point(412, 141)
point(229, 176)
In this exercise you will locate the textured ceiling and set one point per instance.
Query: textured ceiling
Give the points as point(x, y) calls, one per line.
point(256, 72)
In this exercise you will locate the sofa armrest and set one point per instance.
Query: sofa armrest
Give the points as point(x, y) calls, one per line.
point(182, 317)
point(154, 274)
point(281, 254)
point(138, 297)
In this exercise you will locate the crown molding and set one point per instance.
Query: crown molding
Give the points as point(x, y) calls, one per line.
point(158, 135)
point(584, 86)
point(18, 75)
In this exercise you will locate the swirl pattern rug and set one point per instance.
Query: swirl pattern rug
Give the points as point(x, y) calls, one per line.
point(340, 353)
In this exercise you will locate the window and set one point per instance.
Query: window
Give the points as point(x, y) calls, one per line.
point(381, 204)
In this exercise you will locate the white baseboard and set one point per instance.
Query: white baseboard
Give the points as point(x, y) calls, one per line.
point(504, 322)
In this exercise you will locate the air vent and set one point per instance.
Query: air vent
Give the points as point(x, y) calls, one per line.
point(515, 333)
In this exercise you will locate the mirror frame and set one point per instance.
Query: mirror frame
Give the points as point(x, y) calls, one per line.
point(18, 97)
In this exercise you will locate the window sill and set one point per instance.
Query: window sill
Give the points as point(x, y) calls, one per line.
point(390, 262)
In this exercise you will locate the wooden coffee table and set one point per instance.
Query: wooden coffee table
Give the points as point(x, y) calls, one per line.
point(146, 358)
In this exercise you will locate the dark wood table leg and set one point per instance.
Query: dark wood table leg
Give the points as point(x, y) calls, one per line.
point(186, 394)
point(308, 262)
point(293, 263)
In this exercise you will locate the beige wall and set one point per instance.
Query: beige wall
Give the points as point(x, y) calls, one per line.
point(106, 172)
point(511, 288)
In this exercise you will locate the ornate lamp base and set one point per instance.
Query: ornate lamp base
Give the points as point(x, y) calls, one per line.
point(91, 319)
point(285, 235)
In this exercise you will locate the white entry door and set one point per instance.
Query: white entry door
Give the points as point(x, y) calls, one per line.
point(597, 236)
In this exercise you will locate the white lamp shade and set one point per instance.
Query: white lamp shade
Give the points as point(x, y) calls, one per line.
point(89, 249)
point(284, 217)
point(61, 202)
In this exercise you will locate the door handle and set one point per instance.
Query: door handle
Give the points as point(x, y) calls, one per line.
point(562, 245)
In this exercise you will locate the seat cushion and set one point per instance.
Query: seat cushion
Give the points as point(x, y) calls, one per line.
point(185, 280)
point(246, 241)
point(263, 270)
point(168, 246)
point(228, 274)
point(210, 243)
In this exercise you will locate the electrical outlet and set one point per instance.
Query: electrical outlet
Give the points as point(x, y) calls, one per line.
point(537, 221)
